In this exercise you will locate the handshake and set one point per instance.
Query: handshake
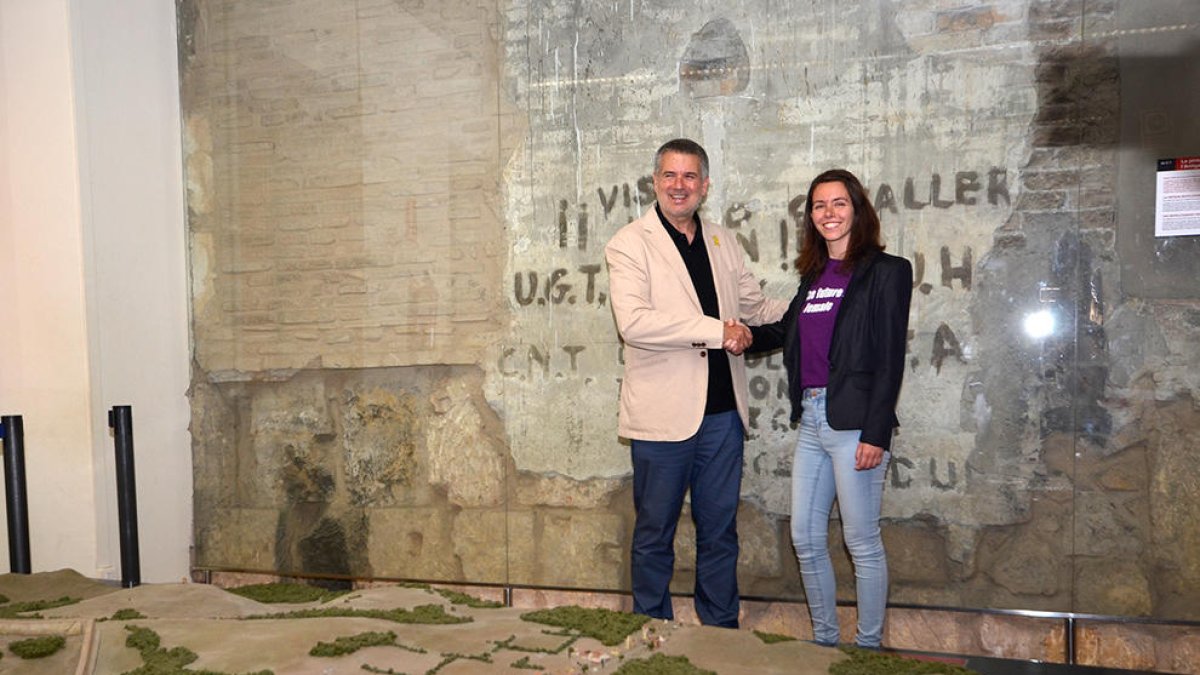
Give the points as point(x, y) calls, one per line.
point(737, 337)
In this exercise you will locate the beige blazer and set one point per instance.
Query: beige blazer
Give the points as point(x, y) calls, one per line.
point(666, 334)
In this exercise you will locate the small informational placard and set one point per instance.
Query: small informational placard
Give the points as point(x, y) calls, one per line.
point(1177, 197)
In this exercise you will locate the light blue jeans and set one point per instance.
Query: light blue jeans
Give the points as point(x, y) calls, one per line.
point(824, 468)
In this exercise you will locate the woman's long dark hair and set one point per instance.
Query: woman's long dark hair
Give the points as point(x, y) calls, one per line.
point(864, 231)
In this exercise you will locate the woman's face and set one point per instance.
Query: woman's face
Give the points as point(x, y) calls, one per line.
point(833, 216)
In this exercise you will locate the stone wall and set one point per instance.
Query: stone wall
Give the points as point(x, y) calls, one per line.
point(405, 362)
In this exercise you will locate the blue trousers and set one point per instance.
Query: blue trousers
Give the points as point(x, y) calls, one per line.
point(710, 465)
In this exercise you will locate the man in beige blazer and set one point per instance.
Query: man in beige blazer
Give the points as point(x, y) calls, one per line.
point(680, 292)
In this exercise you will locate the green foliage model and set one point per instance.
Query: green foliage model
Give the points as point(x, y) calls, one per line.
point(159, 661)
point(38, 647)
point(285, 593)
point(423, 614)
point(19, 610)
point(605, 625)
point(524, 663)
point(661, 664)
point(469, 600)
point(772, 638)
point(348, 645)
point(126, 614)
point(510, 644)
point(864, 662)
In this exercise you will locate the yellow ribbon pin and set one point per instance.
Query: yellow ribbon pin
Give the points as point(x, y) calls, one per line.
point(716, 242)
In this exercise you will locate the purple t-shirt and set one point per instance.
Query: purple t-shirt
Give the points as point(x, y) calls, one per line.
point(815, 323)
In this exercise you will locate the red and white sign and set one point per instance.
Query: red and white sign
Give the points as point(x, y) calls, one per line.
point(1177, 197)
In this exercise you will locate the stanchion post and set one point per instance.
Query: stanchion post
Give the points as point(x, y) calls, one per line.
point(12, 430)
point(120, 420)
point(1070, 634)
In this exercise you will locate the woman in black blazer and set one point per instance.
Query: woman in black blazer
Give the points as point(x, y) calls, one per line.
point(843, 339)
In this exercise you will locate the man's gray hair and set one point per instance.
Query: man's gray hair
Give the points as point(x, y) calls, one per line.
point(685, 146)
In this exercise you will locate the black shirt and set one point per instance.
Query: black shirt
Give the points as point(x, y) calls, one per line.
point(695, 258)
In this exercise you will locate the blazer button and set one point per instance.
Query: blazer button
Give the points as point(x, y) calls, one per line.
point(703, 353)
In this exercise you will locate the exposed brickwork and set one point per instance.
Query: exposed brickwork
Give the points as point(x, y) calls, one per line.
point(327, 230)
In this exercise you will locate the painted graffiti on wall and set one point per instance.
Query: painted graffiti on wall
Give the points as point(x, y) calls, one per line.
point(938, 151)
point(584, 284)
point(559, 295)
point(576, 227)
point(580, 286)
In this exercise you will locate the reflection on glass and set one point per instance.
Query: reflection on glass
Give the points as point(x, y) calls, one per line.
point(1039, 324)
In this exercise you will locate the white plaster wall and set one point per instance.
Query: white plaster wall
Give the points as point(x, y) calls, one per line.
point(127, 102)
point(92, 273)
point(44, 372)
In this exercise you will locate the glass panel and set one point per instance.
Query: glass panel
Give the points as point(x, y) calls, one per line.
point(1138, 476)
point(346, 264)
point(405, 358)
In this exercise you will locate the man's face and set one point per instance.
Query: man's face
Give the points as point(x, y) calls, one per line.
point(679, 187)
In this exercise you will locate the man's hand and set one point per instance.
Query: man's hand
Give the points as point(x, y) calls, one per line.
point(737, 337)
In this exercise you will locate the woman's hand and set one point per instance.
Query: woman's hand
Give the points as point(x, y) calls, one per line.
point(867, 456)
